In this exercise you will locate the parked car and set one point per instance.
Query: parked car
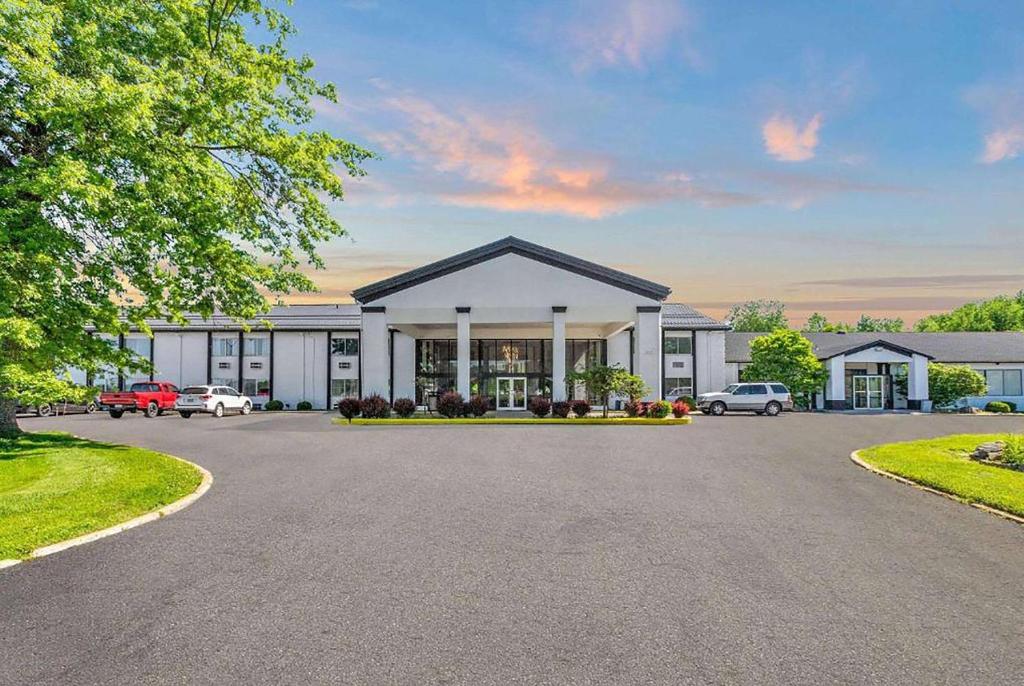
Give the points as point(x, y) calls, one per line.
point(678, 392)
point(151, 397)
point(60, 407)
point(215, 400)
point(768, 398)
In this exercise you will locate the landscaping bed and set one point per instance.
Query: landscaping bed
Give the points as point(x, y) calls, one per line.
point(437, 420)
point(945, 465)
point(54, 487)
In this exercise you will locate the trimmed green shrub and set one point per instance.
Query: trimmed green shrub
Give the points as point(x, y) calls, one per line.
point(659, 409)
point(274, 405)
point(349, 407)
point(478, 405)
point(1013, 452)
point(404, 408)
point(375, 407)
point(580, 408)
point(998, 406)
point(304, 406)
point(540, 406)
point(451, 405)
point(561, 409)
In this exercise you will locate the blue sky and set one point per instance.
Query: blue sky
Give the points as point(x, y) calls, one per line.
point(843, 157)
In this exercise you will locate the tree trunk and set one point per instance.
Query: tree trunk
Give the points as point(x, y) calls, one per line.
point(8, 417)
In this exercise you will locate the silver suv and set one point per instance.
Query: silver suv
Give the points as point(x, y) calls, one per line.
point(768, 398)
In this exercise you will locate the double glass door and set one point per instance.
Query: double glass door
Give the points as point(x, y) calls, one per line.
point(511, 393)
point(869, 392)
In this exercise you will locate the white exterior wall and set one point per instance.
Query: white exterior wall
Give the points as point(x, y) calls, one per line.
point(180, 357)
point(982, 400)
point(300, 368)
point(405, 366)
point(709, 363)
point(648, 351)
point(376, 363)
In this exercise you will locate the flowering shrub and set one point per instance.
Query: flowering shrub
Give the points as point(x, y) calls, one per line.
point(633, 408)
point(451, 405)
point(659, 409)
point(581, 408)
point(689, 400)
point(478, 405)
point(304, 406)
point(680, 409)
point(540, 406)
point(376, 407)
point(561, 409)
point(404, 408)
point(349, 408)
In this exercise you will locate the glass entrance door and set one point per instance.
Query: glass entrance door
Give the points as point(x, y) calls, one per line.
point(511, 393)
point(868, 392)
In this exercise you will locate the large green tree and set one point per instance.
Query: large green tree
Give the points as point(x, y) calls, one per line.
point(1002, 313)
point(758, 316)
point(155, 158)
point(605, 381)
point(787, 357)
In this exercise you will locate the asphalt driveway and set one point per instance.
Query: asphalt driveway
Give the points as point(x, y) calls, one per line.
point(736, 550)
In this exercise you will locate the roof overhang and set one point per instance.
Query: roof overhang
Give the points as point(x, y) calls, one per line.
point(516, 246)
point(879, 344)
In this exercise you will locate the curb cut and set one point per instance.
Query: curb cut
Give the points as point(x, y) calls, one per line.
point(856, 458)
point(170, 508)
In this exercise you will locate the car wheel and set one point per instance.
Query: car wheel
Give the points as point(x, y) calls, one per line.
point(772, 409)
point(116, 414)
point(704, 411)
point(717, 408)
point(44, 410)
point(218, 411)
point(152, 410)
point(246, 408)
point(90, 408)
point(185, 415)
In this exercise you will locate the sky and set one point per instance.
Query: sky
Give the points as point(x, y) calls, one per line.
point(843, 157)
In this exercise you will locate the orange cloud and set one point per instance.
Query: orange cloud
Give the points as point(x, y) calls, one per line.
point(786, 141)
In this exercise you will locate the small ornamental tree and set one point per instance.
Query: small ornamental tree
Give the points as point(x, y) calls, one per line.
point(349, 408)
point(787, 357)
point(602, 381)
point(947, 383)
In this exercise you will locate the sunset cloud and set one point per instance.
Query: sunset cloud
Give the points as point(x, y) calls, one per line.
point(785, 140)
point(633, 33)
point(506, 165)
point(1004, 144)
point(1001, 104)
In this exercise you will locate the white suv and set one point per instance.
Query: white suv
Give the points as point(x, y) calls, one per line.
point(214, 400)
point(768, 398)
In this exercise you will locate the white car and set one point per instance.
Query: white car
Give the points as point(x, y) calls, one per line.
point(215, 400)
point(763, 398)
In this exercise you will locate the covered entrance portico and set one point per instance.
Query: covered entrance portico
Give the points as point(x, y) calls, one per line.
point(876, 376)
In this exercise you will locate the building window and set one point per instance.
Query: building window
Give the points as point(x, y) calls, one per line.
point(256, 346)
point(344, 346)
point(344, 388)
point(230, 383)
point(677, 386)
point(139, 346)
point(1003, 381)
point(678, 345)
point(225, 347)
point(255, 387)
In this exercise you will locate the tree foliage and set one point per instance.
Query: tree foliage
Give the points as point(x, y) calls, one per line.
point(153, 160)
point(603, 382)
point(948, 383)
point(758, 316)
point(787, 357)
point(818, 323)
point(1002, 313)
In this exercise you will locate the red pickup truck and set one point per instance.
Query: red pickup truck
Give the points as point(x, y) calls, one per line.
point(152, 397)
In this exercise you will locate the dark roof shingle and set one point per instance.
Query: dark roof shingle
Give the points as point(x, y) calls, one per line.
point(959, 346)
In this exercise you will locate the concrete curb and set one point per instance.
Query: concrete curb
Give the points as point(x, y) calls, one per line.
point(856, 458)
point(170, 508)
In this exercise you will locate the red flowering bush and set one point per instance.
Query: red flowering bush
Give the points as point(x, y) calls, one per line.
point(375, 407)
point(404, 408)
point(633, 408)
point(680, 409)
point(659, 409)
point(451, 405)
point(349, 408)
point(478, 405)
point(580, 408)
point(561, 409)
point(540, 406)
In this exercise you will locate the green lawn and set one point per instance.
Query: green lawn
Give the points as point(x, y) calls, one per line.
point(942, 463)
point(54, 486)
point(422, 421)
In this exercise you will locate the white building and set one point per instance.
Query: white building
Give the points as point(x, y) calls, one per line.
point(507, 320)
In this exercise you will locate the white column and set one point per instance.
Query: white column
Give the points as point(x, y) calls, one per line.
point(462, 353)
point(837, 383)
point(558, 353)
point(648, 348)
point(917, 381)
point(374, 361)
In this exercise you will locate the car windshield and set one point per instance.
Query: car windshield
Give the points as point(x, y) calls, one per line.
point(730, 388)
point(141, 387)
point(195, 390)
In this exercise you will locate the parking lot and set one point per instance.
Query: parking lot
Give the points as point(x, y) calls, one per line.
point(739, 549)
